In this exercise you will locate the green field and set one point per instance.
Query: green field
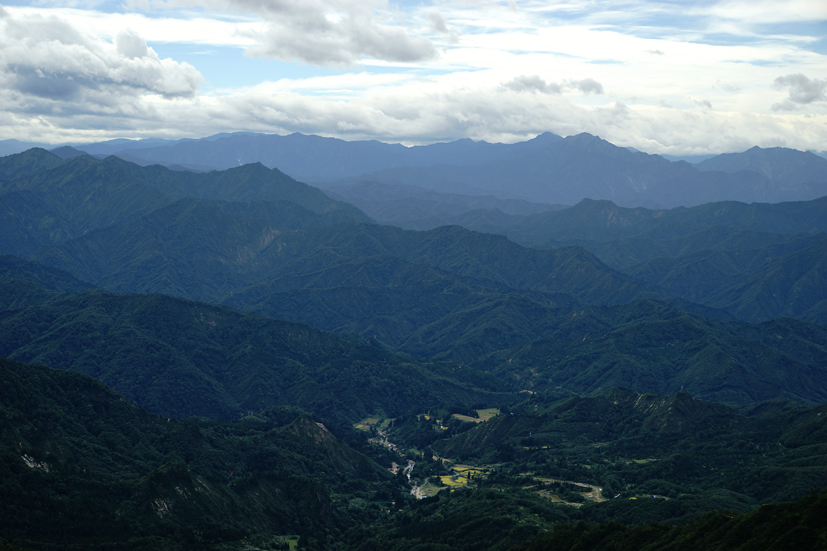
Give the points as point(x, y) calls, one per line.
point(484, 415)
point(368, 423)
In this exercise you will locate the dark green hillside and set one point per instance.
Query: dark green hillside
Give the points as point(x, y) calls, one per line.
point(191, 248)
point(285, 214)
point(183, 358)
point(379, 297)
point(637, 445)
point(84, 469)
point(604, 221)
point(21, 293)
point(754, 285)
point(402, 288)
point(165, 239)
point(84, 194)
point(756, 261)
point(27, 221)
point(482, 520)
point(50, 278)
point(79, 195)
point(245, 183)
point(28, 283)
point(796, 526)
point(93, 194)
point(650, 347)
point(571, 270)
point(501, 323)
point(793, 286)
point(376, 281)
point(23, 165)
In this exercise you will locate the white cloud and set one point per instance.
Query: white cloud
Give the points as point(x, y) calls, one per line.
point(533, 83)
point(130, 45)
point(438, 24)
point(613, 69)
point(802, 91)
point(426, 112)
point(48, 66)
point(587, 86)
point(339, 33)
point(758, 12)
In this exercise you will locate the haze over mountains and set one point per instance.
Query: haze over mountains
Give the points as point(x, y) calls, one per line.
point(446, 278)
point(256, 239)
point(547, 169)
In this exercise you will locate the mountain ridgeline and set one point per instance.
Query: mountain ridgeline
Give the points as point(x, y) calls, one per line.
point(436, 323)
point(531, 318)
point(181, 358)
point(84, 469)
point(548, 168)
point(56, 199)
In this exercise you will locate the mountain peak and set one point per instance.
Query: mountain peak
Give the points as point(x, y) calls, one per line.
point(546, 137)
point(583, 136)
point(788, 167)
point(27, 163)
point(67, 152)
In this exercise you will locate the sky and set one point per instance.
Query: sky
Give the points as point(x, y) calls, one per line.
point(669, 77)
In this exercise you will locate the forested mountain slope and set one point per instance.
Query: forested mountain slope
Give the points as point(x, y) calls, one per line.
point(183, 358)
point(653, 348)
point(84, 469)
point(82, 194)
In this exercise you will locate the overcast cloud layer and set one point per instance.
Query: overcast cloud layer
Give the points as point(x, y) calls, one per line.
point(664, 77)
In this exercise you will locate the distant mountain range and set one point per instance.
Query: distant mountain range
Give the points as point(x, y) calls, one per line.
point(314, 158)
point(547, 169)
point(788, 167)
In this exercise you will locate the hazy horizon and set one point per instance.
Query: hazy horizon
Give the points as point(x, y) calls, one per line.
point(679, 78)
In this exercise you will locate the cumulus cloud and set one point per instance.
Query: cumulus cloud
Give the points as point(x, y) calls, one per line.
point(130, 45)
point(45, 59)
point(587, 86)
point(802, 91)
point(533, 83)
point(338, 33)
point(438, 24)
